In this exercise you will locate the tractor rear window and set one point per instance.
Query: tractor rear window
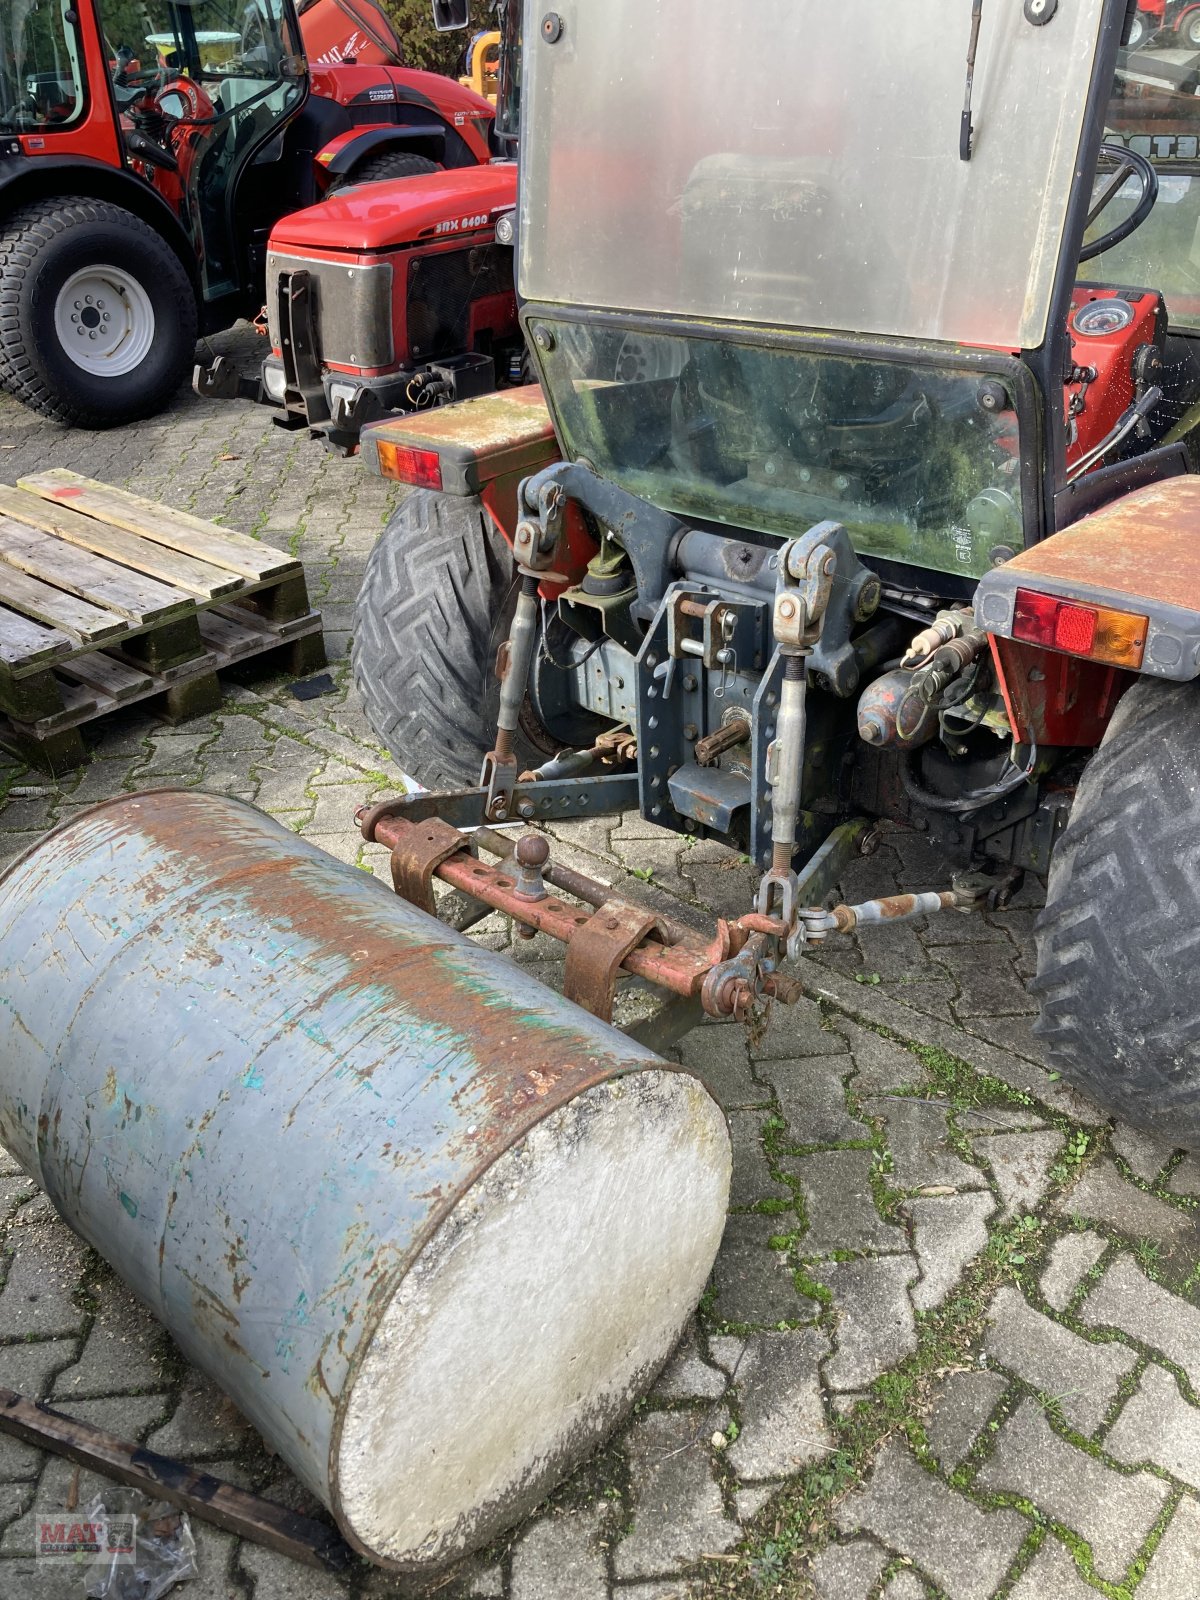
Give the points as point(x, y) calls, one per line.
point(41, 85)
point(797, 162)
point(920, 463)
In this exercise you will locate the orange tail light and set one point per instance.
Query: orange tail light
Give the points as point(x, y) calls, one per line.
point(420, 467)
point(1097, 632)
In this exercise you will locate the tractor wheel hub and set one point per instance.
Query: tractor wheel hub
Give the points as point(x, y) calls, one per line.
point(104, 320)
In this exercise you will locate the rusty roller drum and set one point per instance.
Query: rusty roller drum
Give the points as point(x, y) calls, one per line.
point(429, 1224)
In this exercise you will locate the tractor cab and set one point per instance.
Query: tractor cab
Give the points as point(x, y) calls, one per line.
point(199, 93)
point(869, 304)
point(201, 113)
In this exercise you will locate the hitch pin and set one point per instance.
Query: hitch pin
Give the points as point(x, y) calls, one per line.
point(726, 658)
point(727, 661)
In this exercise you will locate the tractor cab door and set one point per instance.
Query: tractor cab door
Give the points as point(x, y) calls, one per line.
point(43, 77)
point(203, 90)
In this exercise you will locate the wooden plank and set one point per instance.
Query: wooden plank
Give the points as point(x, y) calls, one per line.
point(142, 555)
point(233, 638)
point(108, 675)
point(178, 530)
point(90, 577)
point(77, 705)
point(163, 677)
point(84, 622)
point(212, 1500)
point(26, 644)
point(244, 621)
point(298, 627)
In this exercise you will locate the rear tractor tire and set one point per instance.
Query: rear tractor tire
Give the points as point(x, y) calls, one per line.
point(1117, 971)
point(97, 313)
point(436, 602)
point(392, 164)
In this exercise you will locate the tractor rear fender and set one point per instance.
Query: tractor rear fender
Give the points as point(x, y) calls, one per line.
point(482, 447)
point(347, 149)
point(26, 179)
point(1074, 619)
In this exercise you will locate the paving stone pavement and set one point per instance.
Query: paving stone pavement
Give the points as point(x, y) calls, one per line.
point(951, 1347)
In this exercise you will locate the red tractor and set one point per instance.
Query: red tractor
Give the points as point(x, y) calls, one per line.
point(1167, 24)
point(861, 483)
point(386, 300)
point(145, 154)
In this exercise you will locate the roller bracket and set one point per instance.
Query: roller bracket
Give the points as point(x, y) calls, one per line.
point(417, 857)
point(733, 988)
point(595, 954)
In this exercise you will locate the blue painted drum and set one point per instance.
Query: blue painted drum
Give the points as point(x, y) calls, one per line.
point(430, 1225)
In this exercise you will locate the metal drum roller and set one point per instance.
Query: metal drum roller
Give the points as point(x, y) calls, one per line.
point(429, 1224)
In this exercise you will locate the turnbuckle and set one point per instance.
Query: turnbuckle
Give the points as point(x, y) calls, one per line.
point(535, 542)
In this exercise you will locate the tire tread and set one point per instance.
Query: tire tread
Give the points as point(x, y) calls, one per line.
point(1118, 942)
point(23, 236)
point(425, 627)
point(390, 164)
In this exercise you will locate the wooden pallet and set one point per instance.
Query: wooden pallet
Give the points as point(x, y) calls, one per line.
point(107, 599)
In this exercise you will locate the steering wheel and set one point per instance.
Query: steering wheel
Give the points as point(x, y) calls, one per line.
point(183, 102)
point(1128, 164)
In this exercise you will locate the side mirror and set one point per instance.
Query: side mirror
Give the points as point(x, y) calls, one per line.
point(450, 15)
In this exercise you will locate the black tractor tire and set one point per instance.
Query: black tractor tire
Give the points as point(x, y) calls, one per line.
point(1191, 30)
point(46, 244)
point(436, 602)
point(391, 164)
point(1117, 972)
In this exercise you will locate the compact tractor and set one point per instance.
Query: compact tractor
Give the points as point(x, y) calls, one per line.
point(396, 299)
point(861, 483)
point(147, 151)
point(1171, 24)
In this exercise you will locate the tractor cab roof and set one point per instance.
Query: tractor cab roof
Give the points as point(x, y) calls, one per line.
point(798, 162)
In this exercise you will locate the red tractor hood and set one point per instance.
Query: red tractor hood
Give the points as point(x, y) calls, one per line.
point(382, 216)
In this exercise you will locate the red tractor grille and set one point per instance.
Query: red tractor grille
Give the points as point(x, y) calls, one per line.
point(444, 292)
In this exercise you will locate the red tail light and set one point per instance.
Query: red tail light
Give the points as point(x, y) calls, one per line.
point(1098, 632)
point(423, 468)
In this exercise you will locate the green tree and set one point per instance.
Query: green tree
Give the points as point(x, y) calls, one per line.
point(423, 45)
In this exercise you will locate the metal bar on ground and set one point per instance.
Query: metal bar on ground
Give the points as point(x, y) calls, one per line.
point(823, 870)
point(212, 1500)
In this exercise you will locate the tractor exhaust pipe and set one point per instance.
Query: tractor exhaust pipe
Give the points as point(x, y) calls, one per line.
point(385, 1188)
